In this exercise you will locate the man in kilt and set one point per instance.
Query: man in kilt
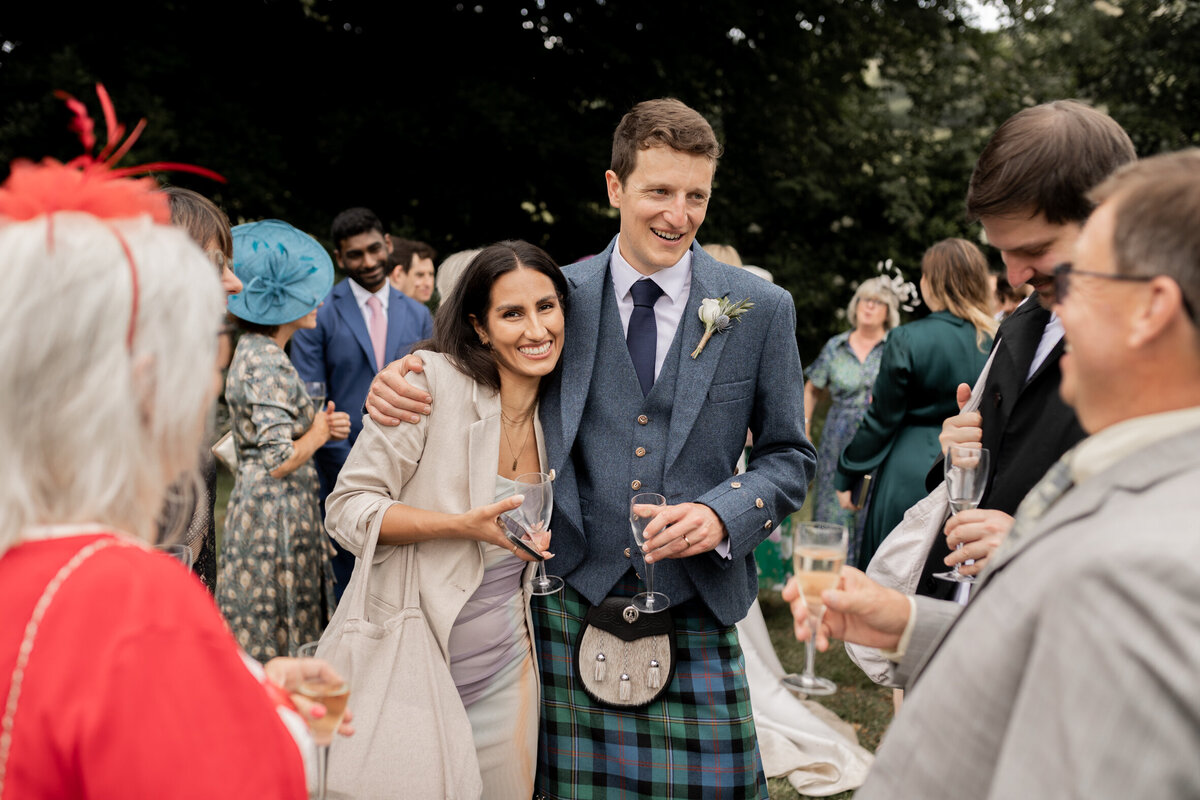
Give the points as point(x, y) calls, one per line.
point(651, 397)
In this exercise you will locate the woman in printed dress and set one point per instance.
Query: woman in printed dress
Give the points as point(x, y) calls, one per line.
point(275, 585)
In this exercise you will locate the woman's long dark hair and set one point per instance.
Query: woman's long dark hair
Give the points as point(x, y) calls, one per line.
point(453, 333)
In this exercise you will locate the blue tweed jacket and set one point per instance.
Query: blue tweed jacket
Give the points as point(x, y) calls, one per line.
point(746, 378)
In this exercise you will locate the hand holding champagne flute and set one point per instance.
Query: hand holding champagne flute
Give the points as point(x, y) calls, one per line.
point(966, 478)
point(818, 553)
point(331, 688)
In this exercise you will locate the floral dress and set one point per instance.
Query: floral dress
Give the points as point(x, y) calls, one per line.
point(849, 381)
point(275, 584)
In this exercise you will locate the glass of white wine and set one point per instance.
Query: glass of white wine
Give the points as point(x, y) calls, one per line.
point(533, 517)
point(316, 392)
point(332, 692)
point(643, 508)
point(966, 478)
point(818, 553)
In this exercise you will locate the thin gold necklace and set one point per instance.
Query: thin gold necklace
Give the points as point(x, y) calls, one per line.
point(524, 443)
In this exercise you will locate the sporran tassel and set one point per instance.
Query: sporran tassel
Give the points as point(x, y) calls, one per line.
point(626, 690)
point(601, 661)
point(654, 676)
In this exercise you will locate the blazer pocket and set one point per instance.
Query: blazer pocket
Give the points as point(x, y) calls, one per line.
point(731, 391)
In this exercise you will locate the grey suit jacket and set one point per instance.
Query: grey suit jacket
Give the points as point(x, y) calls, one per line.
point(1074, 671)
point(749, 377)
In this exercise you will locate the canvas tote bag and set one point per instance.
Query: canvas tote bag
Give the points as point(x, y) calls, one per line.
point(412, 737)
point(901, 556)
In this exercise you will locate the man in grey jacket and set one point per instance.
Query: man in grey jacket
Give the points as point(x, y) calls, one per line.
point(1074, 673)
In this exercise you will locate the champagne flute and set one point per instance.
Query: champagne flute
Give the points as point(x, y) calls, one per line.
point(533, 515)
point(966, 478)
point(317, 393)
point(643, 508)
point(818, 553)
point(333, 694)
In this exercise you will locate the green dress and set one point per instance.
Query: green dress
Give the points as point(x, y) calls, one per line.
point(923, 364)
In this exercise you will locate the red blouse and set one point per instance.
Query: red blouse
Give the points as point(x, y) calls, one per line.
point(134, 687)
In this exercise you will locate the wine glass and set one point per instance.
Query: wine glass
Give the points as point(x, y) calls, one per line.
point(317, 393)
point(643, 508)
point(533, 516)
point(818, 553)
point(180, 552)
point(333, 694)
point(966, 478)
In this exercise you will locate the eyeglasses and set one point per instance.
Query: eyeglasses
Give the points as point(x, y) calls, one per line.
point(1064, 271)
point(871, 301)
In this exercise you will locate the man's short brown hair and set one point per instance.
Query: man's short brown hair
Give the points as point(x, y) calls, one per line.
point(403, 251)
point(1044, 160)
point(658, 123)
point(1156, 230)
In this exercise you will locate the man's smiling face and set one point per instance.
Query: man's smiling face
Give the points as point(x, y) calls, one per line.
point(662, 205)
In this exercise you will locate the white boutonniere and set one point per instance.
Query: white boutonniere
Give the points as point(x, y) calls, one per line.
point(718, 314)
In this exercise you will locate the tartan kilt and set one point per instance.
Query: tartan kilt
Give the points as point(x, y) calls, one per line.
point(696, 741)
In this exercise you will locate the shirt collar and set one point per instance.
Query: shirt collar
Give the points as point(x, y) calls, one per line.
point(1101, 450)
point(361, 295)
point(672, 280)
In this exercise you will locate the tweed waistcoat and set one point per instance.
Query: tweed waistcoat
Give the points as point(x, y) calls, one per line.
point(617, 455)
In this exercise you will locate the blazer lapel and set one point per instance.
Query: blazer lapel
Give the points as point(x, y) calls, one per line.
point(347, 308)
point(579, 350)
point(396, 312)
point(1022, 337)
point(696, 374)
point(483, 443)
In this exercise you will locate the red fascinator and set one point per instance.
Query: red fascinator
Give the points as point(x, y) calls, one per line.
point(90, 184)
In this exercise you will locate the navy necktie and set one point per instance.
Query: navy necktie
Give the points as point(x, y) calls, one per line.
point(642, 337)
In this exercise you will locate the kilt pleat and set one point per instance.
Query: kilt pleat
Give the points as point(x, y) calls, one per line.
point(696, 741)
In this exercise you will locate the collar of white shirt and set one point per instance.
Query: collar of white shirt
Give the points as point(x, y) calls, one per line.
point(361, 295)
point(674, 280)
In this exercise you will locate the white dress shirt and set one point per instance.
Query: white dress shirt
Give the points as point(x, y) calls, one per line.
point(676, 283)
point(361, 296)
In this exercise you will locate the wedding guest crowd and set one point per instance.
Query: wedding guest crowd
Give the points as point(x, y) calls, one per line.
point(656, 366)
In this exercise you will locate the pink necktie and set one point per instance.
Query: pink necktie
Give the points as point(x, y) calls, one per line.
point(378, 328)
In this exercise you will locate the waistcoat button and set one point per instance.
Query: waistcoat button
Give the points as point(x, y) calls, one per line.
point(635, 485)
point(643, 420)
point(641, 451)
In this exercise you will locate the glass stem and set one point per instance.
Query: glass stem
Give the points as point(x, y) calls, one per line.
point(541, 574)
point(810, 652)
point(649, 579)
point(322, 770)
point(959, 564)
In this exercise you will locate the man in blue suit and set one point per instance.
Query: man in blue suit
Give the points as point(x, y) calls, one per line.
point(644, 402)
point(363, 324)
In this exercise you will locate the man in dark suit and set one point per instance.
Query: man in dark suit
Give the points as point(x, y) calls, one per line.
point(1029, 191)
point(646, 402)
point(363, 324)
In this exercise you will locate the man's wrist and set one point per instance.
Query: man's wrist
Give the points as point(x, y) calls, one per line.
point(897, 655)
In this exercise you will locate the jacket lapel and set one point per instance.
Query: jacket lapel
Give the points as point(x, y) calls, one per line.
point(396, 312)
point(696, 374)
point(483, 443)
point(347, 308)
point(579, 350)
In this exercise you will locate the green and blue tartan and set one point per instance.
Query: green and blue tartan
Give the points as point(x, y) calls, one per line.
point(696, 741)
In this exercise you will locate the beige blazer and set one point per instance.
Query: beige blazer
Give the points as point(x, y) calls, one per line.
point(446, 462)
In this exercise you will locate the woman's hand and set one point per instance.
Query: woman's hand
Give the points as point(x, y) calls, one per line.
point(319, 430)
point(845, 502)
point(339, 422)
point(289, 673)
point(484, 523)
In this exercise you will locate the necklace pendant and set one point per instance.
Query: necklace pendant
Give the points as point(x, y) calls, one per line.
point(515, 460)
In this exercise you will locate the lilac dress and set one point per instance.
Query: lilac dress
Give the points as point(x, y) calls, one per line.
point(491, 661)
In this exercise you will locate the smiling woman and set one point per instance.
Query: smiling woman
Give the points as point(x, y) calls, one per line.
point(497, 335)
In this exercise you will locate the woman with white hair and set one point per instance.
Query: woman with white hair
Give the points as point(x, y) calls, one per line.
point(844, 372)
point(120, 677)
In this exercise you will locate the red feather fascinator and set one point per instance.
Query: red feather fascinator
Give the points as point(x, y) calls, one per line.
point(87, 183)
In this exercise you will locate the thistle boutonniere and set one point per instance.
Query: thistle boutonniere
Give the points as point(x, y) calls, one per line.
point(718, 314)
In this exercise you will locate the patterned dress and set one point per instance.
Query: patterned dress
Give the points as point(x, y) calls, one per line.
point(849, 383)
point(275, 585)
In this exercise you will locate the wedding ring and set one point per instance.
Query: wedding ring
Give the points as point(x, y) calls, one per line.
point(685, 540)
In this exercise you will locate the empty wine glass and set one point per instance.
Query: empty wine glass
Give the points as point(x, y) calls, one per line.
point(818, 553)
point(966, 478)
point(331, 693)
point(317, 393)
point(643, 508)
point(533, 516)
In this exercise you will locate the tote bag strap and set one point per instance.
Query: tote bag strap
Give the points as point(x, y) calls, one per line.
point(26, 648)
point(977, 390)
point(358, 590)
